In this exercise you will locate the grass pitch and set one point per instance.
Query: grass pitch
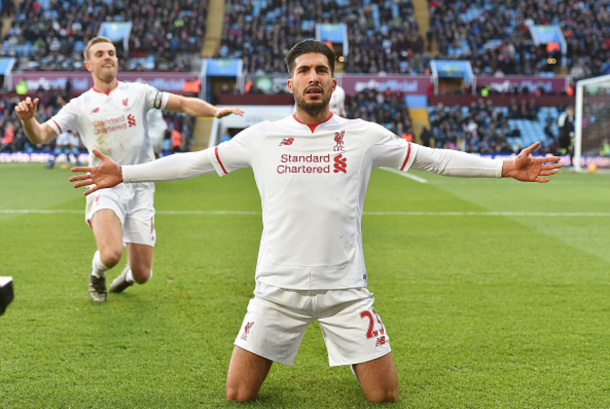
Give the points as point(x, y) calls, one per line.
point(495, 294)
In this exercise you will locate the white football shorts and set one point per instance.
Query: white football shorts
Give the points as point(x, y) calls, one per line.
point(133, 205)
point(277, 318)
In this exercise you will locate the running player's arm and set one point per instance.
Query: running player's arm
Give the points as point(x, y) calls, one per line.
point(36, 132)
point(198, 107)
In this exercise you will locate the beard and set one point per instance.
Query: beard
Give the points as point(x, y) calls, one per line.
point(107, 76)
point(313, 108)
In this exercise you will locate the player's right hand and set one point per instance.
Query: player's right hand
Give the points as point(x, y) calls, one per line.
point(108, 174)
point(26, 109)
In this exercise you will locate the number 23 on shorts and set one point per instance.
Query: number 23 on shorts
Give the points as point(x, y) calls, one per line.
point(374, 321)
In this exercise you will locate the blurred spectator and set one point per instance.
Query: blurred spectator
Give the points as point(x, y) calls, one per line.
point(565, 122)
point(7, 8)
point(426, 136)
point(176, 139)
point(6, 143)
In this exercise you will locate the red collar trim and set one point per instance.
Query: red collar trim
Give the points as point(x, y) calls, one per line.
point(312, 126)
point(107, 93)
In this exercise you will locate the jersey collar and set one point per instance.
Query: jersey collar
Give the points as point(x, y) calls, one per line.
point(312, 126)
point(107, 93)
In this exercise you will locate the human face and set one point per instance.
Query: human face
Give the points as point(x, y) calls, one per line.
point(312, 83)
point(103, 62)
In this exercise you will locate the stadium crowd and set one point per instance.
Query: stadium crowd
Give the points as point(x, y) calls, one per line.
point(383, 107)
point(51, 35)
point(481, 127)
point(381, 38)
point(495, 36)
point(383, 35)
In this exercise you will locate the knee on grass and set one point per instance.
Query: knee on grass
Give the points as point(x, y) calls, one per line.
point(140, 275)
point(240, 394)
point(382, 396)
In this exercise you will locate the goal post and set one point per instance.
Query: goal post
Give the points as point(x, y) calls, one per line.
point(592, 122)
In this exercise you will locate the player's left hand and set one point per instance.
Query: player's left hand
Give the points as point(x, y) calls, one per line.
point(526, 168)
point(108, 174)
point(222, 112)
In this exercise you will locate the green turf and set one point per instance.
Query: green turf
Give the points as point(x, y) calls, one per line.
point(495, 295)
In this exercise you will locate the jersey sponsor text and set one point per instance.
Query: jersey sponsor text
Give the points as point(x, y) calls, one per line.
point(109, 125)
point(288, 159)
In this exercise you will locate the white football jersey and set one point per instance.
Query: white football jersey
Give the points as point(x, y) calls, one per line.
point(156, 128)
point(312, 182)
point(337, 101)
point(114, 123)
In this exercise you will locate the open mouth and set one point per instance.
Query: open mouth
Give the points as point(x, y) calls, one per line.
point(314, 91)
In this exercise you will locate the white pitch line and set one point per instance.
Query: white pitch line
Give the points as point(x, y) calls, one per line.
point(211, 212)
point(504, 214)
point(405, 174)
point(40, 211)
point(393, 213)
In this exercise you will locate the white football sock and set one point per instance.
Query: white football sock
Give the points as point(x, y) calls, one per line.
point(129, 277)
point(354, 372)
point(98, 268)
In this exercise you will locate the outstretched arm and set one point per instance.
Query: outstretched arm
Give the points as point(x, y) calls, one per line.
point(526, 168)
point(198, 107)
point(172, 167)
point(108, 174)
point(35, 131)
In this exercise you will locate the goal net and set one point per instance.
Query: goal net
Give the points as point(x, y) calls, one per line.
point(592, 127)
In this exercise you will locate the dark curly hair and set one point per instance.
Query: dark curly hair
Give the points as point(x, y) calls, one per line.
point(309, 46)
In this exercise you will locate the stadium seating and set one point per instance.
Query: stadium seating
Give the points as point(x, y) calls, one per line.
point(495, 37)
point(50, 35)
point(386, 108)
point(383, 35)
point(494, 133)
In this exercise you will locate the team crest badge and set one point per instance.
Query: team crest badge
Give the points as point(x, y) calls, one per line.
point(339, 140)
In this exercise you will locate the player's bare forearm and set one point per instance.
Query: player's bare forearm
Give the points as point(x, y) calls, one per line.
point(36, 132)
point(198, 107)
point(526, 168)
point(108, 174)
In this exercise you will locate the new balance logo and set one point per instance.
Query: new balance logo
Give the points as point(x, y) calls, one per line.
point(247, 328)
point(339, 140)
point(131, 120)
point(95, 110)
point(286, 141)
point(380, 341)
point(340, 164)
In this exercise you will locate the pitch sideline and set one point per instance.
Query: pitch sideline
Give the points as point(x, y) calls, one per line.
point(257, 213)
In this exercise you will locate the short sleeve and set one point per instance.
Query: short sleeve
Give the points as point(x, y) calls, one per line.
point(155, 99)
point(66, 119)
